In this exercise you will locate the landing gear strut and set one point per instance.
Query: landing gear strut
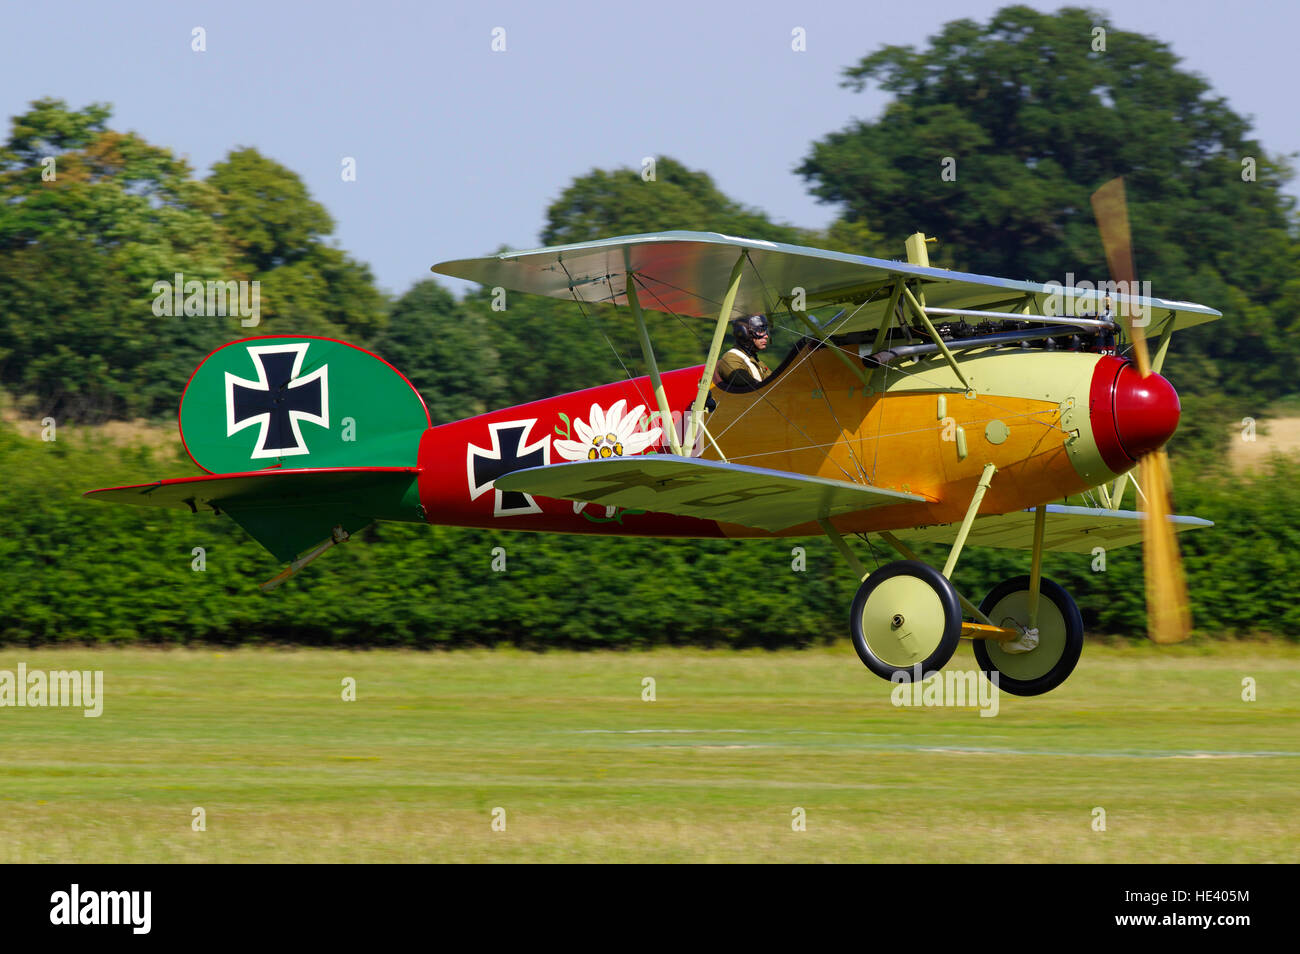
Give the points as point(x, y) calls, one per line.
point(907, 614)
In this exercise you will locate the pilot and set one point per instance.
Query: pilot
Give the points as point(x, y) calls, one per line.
point(740, 366)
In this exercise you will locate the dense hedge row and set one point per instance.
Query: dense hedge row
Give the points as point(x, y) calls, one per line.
point(78, 570)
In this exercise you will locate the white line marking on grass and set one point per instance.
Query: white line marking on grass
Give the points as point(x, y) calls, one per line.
point(645, 732)
point(1099, 755)
point(930, 749)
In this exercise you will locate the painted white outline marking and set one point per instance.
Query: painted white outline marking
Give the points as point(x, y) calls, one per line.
point(299, 351)
point(494, 453)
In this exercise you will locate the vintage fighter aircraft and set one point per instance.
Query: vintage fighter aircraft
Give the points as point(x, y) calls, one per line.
point(934, 406)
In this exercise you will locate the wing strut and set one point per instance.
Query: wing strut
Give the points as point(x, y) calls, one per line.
point(918, 309)
point(822, 336)
point(695, 423)
point(715, 348)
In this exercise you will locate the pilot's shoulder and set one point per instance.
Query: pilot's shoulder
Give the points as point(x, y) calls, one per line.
point(730, 361)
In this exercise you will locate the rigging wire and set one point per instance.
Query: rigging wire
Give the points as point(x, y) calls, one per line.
point(923, 377)
point(804, 357)
point(587, 318)
point(915, 430)
point(821, 388)
point(769, 306)
point(641, 283)
point(870, 546)
point(698, 340)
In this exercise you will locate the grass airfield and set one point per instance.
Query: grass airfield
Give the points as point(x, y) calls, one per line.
point(586, 771)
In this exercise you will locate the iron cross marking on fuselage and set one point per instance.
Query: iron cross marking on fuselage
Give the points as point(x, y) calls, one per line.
point(508, 454)
point(278, 401)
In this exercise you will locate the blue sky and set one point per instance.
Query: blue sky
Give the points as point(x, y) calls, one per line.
point(460, 149)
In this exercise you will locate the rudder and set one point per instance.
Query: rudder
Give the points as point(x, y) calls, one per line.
point(299, 402)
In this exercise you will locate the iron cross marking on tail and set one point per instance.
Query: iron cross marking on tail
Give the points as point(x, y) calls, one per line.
point(278, 401)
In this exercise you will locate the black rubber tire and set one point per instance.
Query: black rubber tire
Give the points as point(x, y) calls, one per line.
point(951, 610)
point(1061, 670)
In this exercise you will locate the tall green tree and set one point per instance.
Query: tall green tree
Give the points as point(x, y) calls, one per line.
point(90, 219)
point(279, 231)
point(1028, 114)
point(604, 203)
point(548, 346)
point(446, 351)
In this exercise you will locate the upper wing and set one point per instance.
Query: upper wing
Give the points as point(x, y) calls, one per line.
point(709, 489)
point(686, 273)
point(1066, 529)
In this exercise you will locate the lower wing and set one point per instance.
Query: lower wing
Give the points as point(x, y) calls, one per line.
point(1066, 529)
point(709, 489)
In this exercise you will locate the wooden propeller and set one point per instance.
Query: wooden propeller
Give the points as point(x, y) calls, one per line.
point(1169, 618)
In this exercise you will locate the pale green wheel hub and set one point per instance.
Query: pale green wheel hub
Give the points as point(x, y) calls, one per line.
point(1060, 637)
point(905, 615)
point(1012, 611)
point(903, 621)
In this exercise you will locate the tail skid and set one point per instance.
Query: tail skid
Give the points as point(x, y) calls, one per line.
point(337, 535)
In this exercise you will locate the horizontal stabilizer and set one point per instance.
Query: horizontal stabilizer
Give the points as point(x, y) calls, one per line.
point(707, 489)
point(286, 511)
point(1066, 529)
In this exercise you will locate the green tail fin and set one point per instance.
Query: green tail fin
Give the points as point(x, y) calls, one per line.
point(299, 402)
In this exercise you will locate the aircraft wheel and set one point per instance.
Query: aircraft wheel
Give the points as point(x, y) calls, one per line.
point(1060, 637)
point(905, 613)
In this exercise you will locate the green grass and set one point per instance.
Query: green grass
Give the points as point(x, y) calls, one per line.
point(587, 771)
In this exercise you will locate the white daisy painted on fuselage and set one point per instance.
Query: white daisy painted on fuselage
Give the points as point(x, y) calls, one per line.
point(611, 433)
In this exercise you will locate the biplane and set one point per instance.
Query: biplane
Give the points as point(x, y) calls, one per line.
point(924, 405)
